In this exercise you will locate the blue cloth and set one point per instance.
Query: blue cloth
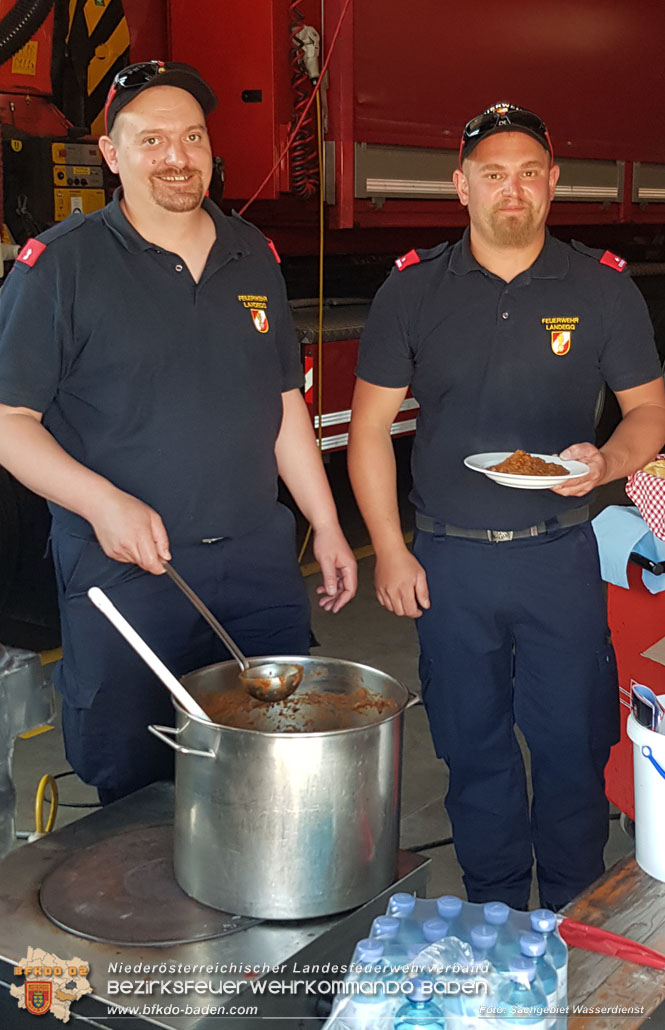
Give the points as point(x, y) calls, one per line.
point(620, 530)
point(517, 633)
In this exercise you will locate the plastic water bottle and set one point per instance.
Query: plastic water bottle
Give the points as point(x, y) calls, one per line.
point(461, 1008)
point(521, 999)
point(449, 908)
point(434, 930)
point(368, 951)
point(496, 915)
point(365, 967)
point(364, 1012)
point(386, 929)
point(368, 962)
point(402, 907)
point(534, 945)
point(544, 921)
point(420, 1011)
point(420, 963)
point(483, 941)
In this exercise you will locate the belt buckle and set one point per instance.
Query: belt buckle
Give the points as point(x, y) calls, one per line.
point(498, 536)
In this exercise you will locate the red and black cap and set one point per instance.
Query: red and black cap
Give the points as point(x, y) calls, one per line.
point(135, 78)
point(503, 117)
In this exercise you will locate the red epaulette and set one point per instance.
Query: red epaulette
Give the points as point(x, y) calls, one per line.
point(274, 251)
point(410, 258)
point(613, 261)
point(31, 252)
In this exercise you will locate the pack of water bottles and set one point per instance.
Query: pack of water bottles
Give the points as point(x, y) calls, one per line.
point(447, 964)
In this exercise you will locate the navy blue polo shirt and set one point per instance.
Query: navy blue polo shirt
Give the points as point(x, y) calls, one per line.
point(169, 388)
point(497, 366)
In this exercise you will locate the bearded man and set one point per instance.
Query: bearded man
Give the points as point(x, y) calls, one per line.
point(149, 389)
point(505, 339)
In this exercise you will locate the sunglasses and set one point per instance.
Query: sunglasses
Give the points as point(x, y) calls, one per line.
point(132, 77)
point(500, 115)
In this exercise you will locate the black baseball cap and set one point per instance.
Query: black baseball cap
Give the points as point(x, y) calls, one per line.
point(503, 117)
point(135, 78)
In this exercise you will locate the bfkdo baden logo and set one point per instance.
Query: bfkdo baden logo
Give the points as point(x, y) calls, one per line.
point(38, 996)
point(51, 983)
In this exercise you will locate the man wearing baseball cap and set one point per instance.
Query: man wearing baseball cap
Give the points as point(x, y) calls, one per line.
point(149, 389)
point(130, 82)
point(505, 339)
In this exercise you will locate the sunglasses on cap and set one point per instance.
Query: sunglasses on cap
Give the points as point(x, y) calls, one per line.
point(132, 77)
point(503, 116)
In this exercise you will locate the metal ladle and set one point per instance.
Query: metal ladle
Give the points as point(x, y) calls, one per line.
point(272, 681)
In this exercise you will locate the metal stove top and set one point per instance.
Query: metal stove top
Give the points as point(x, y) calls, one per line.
point(122, 890)
point(278, 970)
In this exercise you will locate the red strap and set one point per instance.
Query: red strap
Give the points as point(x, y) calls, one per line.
point(410, 258)
point(613, 261)
point(274, 251)
point(31, 251)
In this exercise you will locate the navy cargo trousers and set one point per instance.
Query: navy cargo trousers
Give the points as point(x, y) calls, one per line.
point(517, 635)
point(253, 585)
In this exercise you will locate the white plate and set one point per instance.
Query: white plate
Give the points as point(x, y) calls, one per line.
point(480, 463)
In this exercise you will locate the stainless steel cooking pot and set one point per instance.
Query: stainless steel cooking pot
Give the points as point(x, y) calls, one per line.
point(298, 817)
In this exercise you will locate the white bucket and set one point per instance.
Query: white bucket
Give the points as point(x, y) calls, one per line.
point(648, 753)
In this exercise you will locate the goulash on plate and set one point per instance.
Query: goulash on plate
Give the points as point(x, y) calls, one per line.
point(520, 463)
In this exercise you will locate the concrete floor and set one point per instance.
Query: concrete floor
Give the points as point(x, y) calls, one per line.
point(362, 632)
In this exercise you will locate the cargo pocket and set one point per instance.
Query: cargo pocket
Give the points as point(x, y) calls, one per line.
point(435, 713)
point(68, 553)
point(79, 564)
point(425, 672)
point(606, 717)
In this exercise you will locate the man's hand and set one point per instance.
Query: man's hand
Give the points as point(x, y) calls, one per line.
point(126, 528)
point(638, 437)
point(591, 456)
point(130, 531)
point(338, 568)
point(401, 584)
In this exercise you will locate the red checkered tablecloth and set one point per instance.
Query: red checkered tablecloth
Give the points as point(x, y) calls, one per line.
point(648, 493)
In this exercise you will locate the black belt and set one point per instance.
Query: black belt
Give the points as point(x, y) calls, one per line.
point(496, 536)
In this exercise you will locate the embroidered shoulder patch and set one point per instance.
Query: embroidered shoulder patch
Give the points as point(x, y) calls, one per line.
point(613, 261)
point(410, 258)
point(31, 252)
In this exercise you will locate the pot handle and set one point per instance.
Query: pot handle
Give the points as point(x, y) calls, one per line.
point(414, 699)
point(160, 731)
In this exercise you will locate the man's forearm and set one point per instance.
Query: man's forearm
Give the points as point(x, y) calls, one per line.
point(31, 454)
point(638, 437)
point(300, 466)
point(372, 471)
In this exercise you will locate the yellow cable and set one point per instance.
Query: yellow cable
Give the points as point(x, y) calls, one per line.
point(46, 781)
point(46, 657)
point(319, 141)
